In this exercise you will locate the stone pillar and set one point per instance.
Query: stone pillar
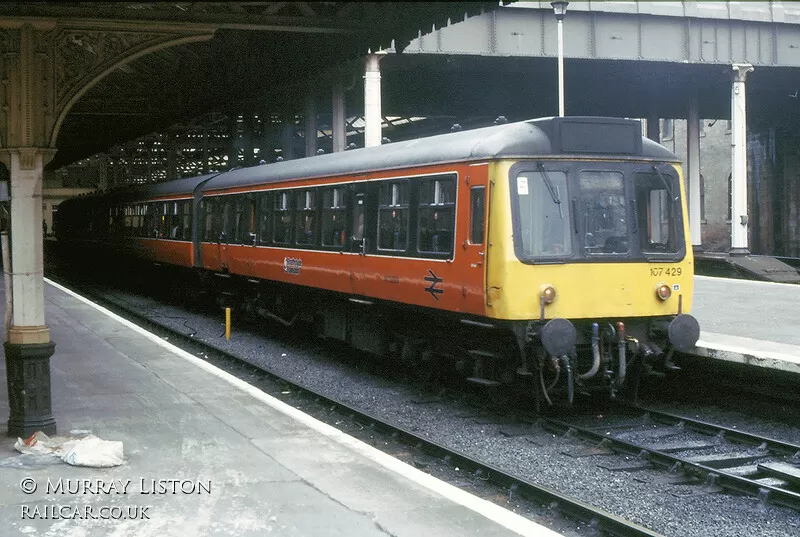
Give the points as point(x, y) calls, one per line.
point(27, 347)
point(739, 218)
point(373, 117)
point(338, 127)
point(310, 133)
point(693, 172)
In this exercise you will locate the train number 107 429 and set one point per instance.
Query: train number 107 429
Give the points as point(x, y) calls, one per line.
point(665, 271)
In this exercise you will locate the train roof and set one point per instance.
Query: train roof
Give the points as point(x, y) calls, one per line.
point(566, 136)
point(554, 136)
point(178, 187)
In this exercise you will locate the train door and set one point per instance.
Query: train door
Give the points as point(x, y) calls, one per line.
point(227, 211)
point(474, 245)
point(360, 237)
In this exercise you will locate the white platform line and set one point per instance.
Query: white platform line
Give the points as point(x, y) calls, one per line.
point(500, 515)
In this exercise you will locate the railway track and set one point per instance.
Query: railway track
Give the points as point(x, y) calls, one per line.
point(640, 437)
point(695, 452)
point(404, 443)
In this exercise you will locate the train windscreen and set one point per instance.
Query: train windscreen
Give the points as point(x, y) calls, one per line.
point(590, 210)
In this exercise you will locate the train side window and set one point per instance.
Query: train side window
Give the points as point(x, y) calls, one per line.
point(245, 219)
point(393, 216)
point(175, 217)
point(135, 219)
point(226, 209)
point(477, 214)
point(186, 220)
point(264, 218)
point(212, 221)
point(128, 221)
point(144, 229)
point(164, 218)
point(235, 220)
point(436, 215)
point(306, 233)
point(282, 218)
point(334, 216)
point(152, 220)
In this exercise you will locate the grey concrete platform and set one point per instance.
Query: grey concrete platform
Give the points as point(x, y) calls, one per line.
point(748, 322)
point(270, 469)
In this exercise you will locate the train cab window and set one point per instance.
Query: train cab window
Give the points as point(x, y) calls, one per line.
point(334, 216)
point(544, 219)
point(264, 218)
point(282, 218)
point(658, 212)
point(477, 214)
point(604, 212)
point(436, 215)
point(393, 216)
point(306, 232)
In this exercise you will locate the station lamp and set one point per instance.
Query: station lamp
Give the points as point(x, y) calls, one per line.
point(560, 9)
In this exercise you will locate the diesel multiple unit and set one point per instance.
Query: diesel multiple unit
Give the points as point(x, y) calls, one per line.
point(550, 253)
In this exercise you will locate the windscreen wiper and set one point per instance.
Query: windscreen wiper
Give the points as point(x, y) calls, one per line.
point(666, 183)
point(551, 188)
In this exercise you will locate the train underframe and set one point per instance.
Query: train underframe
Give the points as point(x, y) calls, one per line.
point(555, 360)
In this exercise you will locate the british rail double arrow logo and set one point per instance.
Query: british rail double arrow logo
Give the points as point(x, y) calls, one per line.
point(435, 280)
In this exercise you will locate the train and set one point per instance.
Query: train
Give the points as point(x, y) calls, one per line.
point(550, 254)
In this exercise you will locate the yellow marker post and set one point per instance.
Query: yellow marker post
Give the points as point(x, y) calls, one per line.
point(227, 324)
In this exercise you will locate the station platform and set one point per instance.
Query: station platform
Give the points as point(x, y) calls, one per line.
point(208, 454)
point(748, 322)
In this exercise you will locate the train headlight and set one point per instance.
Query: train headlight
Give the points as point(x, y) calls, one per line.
point(547, 293)
point(663, 291)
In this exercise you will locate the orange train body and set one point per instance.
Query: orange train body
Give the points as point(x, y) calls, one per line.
point(561, 244)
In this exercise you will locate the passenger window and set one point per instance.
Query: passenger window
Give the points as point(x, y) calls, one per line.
point(393, 216)
point(282, 218)
point(174, 230)
point(225, 209)
point(477, 214)
point(152, 220)
point(163, 219)
point(306, 233)
point(241, 221)
point(264, 218)
point(212, 220)
point(129, 220)
point(436, 216)
point(186, 221)
point(334, 214)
